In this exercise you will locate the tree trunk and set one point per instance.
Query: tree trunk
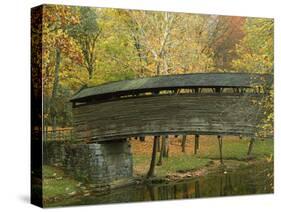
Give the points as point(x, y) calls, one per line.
point(158, 144)
point(90, 69)
point(153, 159)
point(196, 144)
point(158, 69)
point(166, 147)
point(152, 192)
point(55, 90)
point(220, 148)
point(183, 143)
point(141, 56)
point(197, 189)
point(162, 151)
point(250, 148)
point(185, 193)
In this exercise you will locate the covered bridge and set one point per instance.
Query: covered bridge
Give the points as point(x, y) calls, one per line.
point(199, 104)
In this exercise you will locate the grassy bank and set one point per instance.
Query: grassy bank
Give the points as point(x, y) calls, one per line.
point(170, 165)
point(57, 185)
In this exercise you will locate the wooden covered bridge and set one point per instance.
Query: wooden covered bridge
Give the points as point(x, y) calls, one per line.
point(199, 104)
point(105, 116)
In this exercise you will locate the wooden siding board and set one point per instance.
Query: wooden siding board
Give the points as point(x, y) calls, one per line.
point(233, 115)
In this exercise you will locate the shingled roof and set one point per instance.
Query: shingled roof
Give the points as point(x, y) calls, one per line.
point(203, 80)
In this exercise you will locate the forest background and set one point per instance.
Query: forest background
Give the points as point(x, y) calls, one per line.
point(85, 46)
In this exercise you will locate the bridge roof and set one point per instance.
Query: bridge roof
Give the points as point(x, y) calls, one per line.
point(199, 80)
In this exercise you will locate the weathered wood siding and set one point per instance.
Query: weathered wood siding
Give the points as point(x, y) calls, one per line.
point(189, 114)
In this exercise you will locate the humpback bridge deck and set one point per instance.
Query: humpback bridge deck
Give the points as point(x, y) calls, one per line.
point(204, 103)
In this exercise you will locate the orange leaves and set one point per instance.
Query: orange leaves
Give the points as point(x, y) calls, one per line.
point(60, 15)
point(57, 19)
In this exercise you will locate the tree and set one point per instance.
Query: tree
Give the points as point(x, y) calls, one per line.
point(151, 33)
point(256, 55)
point(133, 29)
point(56, 45)
point(225, 33)
point(255, 50)
point(86, 33)
point(152, 43)
point(191, 51)
point(116, 52)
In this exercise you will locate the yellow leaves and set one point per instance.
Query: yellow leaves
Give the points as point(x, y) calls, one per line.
point(255, 54)
point(255, 51)
point(270, 158)
point(55, 19)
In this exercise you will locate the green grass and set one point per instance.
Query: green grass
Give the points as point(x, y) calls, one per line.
point(171, 164)
point(238, 150)
point(179, 163)
point(50, 172)
point(56, 183)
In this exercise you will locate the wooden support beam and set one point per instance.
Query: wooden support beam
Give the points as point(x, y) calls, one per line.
point(218, 90)
point(158, 144)
point(166, 147)
point(142, 138)
point(250, 147)
point(220, 148)
point(183, 142)
point(196, 143)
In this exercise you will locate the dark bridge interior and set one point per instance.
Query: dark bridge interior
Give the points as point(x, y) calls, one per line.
point(199, 104)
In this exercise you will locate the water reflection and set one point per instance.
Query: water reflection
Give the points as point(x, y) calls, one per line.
point(254, 180)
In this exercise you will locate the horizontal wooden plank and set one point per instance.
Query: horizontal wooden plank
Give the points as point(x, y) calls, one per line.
point(233, 115)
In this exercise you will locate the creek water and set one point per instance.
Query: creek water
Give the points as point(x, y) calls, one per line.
point(255, 179)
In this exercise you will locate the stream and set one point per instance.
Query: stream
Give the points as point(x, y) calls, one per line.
point(255, 179)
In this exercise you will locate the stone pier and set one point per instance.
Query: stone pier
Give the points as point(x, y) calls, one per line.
point(95, 163)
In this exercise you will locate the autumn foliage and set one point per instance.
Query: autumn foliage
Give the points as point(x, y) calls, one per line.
point(89, 46)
